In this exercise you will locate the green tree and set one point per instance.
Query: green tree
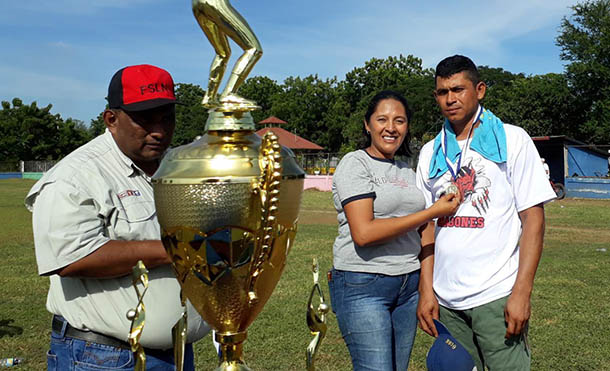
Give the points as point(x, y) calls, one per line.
point(304, 103)
point(402, 74)
point(28, 132)
point(72, 134)
point(585, 44)
point(10, 144)
point(418, 89)
point(190, 114)
point(540, 104)
point(333, 121)
point(381, 74)
point(97, 126)
point(260, 89)
point(495, 77)
point(499, 87)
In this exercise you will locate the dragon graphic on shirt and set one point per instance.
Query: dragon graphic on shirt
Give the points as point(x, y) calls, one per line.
point(473, 185)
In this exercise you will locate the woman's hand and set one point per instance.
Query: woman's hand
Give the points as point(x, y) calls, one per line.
point(446, 205)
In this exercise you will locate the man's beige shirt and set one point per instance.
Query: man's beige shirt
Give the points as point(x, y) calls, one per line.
point(94, 195)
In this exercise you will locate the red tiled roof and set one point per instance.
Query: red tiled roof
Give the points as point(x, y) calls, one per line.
point(273, 120)
point(290, 140)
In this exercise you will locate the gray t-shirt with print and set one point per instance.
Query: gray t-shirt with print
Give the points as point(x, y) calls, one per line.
point(391, 185)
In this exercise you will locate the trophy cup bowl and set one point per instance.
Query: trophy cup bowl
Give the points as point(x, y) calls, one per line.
point(228, 205)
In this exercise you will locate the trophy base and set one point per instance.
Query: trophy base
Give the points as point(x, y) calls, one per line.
point(232, 366)
point(229, 120)
point(231, 351)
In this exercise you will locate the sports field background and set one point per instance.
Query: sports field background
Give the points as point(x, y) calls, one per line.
point(570, 326)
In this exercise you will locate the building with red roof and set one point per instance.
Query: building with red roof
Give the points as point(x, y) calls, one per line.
point(286, 138)
point(309, 155)
point(272, 121)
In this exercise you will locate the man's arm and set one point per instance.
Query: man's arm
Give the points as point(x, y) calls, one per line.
point(517, 310)
point(427, 308)
point(116, 258)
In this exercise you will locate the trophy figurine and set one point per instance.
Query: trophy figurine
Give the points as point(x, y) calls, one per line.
point(228, 203)
point(219, 20)
point(137, 316)
point(316, 318)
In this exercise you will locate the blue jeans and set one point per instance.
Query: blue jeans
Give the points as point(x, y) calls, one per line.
point(69, 354)
point(377, 317)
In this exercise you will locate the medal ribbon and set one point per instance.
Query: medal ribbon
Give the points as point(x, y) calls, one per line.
point(463, 150)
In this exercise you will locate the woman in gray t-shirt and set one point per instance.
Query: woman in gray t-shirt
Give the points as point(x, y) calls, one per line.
point(375, 273)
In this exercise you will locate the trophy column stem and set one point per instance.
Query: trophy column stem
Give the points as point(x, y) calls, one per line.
point(231, 352)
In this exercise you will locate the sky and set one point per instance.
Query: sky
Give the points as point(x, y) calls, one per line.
point(64, 52)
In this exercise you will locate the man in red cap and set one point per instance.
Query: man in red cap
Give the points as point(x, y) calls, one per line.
point(94, 218)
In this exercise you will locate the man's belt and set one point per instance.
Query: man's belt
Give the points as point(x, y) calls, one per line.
point(90, 336)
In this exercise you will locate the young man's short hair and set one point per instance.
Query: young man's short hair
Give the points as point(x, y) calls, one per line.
point(456, 64)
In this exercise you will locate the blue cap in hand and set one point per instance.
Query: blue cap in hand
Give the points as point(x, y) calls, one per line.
point(446, 354)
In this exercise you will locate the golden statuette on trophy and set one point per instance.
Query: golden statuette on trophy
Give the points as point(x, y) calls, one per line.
point(220, 21)
point(228, 203)
point(316, 317)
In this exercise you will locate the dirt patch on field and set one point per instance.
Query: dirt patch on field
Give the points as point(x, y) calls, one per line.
point(318, 217)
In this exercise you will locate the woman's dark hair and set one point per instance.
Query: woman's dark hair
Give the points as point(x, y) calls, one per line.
point(404, 149)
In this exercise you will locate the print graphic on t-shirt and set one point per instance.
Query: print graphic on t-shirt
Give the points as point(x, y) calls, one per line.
point(461, 222)
point(399, 182)
point(473, 185)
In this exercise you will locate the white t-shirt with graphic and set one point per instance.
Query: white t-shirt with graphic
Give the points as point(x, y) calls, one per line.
point(477, 253)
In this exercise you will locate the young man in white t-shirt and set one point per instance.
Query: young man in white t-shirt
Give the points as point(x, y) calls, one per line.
point(479, 264)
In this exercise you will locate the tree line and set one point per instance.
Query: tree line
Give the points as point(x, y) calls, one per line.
point(330, 111)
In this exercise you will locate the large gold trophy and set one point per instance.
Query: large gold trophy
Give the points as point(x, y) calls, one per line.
point(228, 203)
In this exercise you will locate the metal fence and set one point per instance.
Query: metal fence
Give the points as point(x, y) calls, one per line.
point(326, 163)
point(26, 166)
point(10, 166)
point(319, 163)
point(38, 166)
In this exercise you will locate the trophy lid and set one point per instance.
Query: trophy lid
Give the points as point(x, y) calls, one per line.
point(228, 156)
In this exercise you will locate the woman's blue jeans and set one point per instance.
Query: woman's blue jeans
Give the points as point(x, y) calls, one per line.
point(377, 317)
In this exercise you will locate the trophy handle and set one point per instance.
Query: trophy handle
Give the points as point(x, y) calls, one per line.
point(268, 187)
point(179, 337)
point(316, 318)
point(137, 316)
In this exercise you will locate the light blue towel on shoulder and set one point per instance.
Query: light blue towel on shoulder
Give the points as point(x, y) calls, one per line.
point(488, 139)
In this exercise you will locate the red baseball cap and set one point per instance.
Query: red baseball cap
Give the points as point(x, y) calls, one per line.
point(141, 87)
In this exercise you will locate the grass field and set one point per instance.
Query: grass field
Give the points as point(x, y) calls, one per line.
point(570, 326)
